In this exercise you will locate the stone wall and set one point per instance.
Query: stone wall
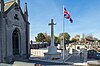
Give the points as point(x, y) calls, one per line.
point(39, 52)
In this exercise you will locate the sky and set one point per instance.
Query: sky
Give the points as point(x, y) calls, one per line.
point(85, 15)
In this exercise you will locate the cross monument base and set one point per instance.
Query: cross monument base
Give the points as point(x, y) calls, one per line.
point(52, 53)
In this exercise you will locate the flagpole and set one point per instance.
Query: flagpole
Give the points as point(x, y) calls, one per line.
point(68, 17)
point(63, 35)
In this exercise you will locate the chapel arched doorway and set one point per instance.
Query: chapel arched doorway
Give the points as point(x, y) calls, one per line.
point(16, 42)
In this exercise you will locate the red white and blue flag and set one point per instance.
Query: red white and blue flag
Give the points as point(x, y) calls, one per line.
point(67, 15)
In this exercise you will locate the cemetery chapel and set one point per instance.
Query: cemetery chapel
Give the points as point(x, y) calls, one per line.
point(14, 31)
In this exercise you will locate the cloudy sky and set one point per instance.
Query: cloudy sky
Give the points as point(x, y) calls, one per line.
point(85, 15)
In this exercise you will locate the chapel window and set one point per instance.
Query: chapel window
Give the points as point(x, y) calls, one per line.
point(16, 17)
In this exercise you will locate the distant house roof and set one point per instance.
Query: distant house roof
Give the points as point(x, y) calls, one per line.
point(8, 5)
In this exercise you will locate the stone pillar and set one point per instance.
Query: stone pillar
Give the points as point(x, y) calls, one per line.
point(61, 42)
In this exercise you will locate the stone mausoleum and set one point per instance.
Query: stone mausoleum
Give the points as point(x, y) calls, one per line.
point(14, 31)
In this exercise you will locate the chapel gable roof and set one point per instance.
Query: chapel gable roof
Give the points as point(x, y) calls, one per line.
point(8, 5)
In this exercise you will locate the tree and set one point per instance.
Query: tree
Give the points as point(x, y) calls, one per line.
point(73, 40)
point(43, 37)
point(77, 37)
point(66, 36)
point(40, 37)
point(47, 38)
point(56, 40)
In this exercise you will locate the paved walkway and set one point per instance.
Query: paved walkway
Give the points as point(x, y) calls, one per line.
point(35, 63)
point(18, 63)
point(75, 58)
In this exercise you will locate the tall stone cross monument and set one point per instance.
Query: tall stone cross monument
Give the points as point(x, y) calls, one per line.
point(52, 32)
point(52, 50)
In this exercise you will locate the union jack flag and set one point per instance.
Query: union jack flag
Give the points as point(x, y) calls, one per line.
point(67, 15)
